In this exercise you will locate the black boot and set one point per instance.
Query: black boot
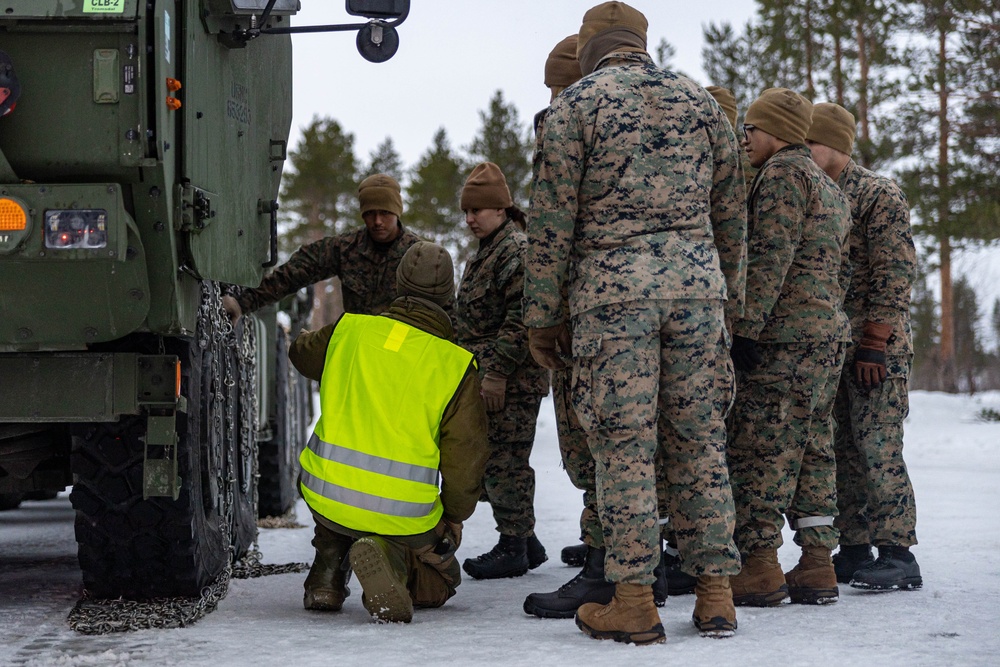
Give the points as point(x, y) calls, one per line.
point(588, 586)
point(660, 591)
point(895, 568)
point(679, 582)
point(851, 558)
point(509, 558)
point(326, 583)
point(575, 555)
point(536, 552)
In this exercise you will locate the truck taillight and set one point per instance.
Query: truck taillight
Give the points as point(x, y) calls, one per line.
point(13, 217)
point(76, 228)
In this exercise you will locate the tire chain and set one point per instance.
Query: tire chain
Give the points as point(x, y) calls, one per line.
point(93, 616)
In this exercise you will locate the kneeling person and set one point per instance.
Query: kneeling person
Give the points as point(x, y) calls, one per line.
point(400, 410)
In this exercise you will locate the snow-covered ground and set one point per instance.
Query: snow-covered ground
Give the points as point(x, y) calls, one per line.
point(954, 461)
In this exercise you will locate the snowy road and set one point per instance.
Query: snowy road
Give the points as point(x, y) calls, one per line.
point(955, 465)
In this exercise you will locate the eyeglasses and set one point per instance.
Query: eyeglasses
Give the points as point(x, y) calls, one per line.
point(747, 129)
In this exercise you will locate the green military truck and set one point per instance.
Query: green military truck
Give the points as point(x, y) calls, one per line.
point(140, 157)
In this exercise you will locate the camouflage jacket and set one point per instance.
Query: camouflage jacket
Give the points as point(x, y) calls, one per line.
point(488, 319)
point(799, 222)
point(463, 430)
point(367, 272)
point(638, 194)
point(883, 259)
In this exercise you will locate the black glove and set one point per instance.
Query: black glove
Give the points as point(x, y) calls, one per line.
point(746, 356)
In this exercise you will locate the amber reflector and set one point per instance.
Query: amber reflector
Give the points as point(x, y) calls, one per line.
point(12, 217)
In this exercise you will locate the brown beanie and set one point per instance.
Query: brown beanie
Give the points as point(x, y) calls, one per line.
point(486, 188)
point(380, 193)
point(426, 271)
point(726, 100)
point(611, 15)
point(783, 113)
point(562, 69)
point(833, 126)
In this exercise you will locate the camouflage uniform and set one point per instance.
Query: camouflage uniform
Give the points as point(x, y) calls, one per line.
point(874, 494)
point(489, 325)
point(367, 271)
point(781, 437)
point(638, 216)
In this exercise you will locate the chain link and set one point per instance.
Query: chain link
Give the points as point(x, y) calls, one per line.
point(216, 335)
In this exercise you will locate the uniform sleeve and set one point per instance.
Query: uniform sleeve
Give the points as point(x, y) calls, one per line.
point(729, 217)
point(510, 348)
point(552, 217)
point(893, 258)
point(308, 265)
point(308, 351)
point(779, 209)
point(464, 449)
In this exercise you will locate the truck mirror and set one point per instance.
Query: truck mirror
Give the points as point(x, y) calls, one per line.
point(377, 43)
point(378, 9)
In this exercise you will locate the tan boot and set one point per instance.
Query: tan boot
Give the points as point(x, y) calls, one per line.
point(326, 583)
point(382, 575)
point(813, 580)
point(630, 617)
point(714, 612)
point(760, 583)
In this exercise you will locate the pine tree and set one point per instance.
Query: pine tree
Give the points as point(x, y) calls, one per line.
point(503, 140)
point(434, 196)
point(385, 160)
point(925, 325)
point(970, 358)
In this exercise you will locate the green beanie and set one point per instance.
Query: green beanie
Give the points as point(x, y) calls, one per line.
point(426, 271)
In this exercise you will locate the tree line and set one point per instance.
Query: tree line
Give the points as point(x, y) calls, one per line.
point(921, 76)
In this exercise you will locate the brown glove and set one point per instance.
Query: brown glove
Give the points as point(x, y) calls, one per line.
point(493, 388)
point(546, 343)
point(453, 531)
point(869, 359)
point(232, 308)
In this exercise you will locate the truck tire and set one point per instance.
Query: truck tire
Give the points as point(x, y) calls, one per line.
point(159, 547)
point(278, 458)
point(10, 501)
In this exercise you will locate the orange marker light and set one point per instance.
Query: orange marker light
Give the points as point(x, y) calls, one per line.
point(173, 85)
point(173, 103)
point(13, 217)
point(177, 386)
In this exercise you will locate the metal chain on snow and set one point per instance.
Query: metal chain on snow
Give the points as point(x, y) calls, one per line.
point(93, 616)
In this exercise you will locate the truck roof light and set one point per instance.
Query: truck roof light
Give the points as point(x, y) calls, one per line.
point(13, 217)
point(173, 85)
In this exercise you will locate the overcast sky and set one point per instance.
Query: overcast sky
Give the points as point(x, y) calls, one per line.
point(453, 55)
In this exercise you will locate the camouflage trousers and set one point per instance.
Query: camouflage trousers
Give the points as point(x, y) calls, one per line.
point(576, 456)
point(874, 494)
point(780, 455)
point(431, 572)
point(636, 364)
point(509, 479)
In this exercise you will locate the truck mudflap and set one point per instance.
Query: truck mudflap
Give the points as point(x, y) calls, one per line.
point(85, 387)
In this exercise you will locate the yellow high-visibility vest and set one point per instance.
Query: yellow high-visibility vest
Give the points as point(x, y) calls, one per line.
point(372, 462)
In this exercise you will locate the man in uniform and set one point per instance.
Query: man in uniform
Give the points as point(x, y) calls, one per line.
point(401, 410)
point(788, 349)
point(638, 217)
point(874, 495)
point(365, 260)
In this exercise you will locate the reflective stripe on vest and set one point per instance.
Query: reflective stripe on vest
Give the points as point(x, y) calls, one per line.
point(372, 463)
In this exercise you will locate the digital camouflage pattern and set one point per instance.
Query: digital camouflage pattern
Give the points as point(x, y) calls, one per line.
point(576, 457)
point(367, 271)
point(883, 258)
point(637, 230)
point(874, 493)
point(780, 454)
point(634, 363)
point(781, 460)
point(489, 324)
point(798, 222)
point(639, 194)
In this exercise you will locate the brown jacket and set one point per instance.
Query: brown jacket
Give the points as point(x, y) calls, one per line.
point(462, 437)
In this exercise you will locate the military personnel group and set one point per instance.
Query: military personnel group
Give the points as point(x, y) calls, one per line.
point(724, 354)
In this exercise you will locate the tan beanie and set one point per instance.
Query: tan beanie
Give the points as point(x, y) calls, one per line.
point(426, 270)
point(726, 100)
point(486, 188)
point(380, 193)
point(611, 15)
point(833, 126)
point(562, 69)
point(783, 113)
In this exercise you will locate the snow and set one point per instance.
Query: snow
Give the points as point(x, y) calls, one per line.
point(954, 461)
